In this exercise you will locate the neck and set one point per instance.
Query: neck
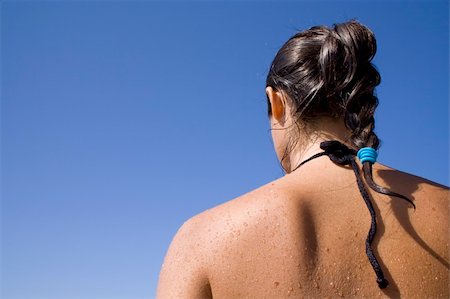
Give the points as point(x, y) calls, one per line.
point(330, 129)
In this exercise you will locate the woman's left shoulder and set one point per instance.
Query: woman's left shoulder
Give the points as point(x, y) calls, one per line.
point(210, 228)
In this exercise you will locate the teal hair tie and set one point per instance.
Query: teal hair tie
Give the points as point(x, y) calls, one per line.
point(367, 154)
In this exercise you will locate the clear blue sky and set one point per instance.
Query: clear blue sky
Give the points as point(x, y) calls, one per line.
point(120, 120)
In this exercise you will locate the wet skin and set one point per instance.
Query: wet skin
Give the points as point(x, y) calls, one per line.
point(303, 235)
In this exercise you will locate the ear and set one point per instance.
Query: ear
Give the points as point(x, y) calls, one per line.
point(276, 103)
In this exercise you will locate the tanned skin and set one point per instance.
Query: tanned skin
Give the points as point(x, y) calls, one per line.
point(303, 235)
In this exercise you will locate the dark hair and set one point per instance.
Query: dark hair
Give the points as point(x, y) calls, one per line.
point(328, 72)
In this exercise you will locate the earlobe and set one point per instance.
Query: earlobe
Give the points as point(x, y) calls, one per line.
point(276, 102)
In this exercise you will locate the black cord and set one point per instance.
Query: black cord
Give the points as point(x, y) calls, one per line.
point(382, 282)
point(309, 159)
point(342, 155)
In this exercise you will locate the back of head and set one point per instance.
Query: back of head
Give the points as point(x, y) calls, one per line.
point(328, 72)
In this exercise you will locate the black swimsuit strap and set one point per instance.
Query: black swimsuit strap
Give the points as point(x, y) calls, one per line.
point(342, 155)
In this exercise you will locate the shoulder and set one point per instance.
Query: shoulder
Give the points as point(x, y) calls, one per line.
point(408, 183)
point(221, 219)
point(431, 200)
point(184, 273)
point(199, 246)
point(208, 231)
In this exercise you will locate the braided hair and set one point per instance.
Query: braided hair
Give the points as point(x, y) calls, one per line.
point(329, 72)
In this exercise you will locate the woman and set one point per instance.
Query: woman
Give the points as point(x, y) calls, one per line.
point(305, 234)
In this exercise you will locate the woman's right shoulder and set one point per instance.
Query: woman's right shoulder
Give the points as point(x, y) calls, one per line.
point(430, 218)
point(409, 184)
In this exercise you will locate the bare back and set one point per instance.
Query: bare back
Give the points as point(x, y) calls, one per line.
point(304, 236)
